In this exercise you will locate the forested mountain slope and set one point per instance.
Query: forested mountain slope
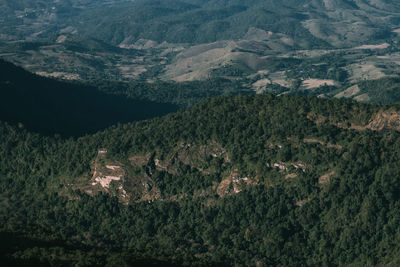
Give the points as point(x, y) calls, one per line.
point(252, 180)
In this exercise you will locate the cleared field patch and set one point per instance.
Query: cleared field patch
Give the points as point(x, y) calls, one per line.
point(349, 92)
point(379, 46)
point(259, 85)
point(364, 71)
point(196, 63)
point(131, 71)
point(61, 75)
point(341, 33)
point(279, 77)
point(315, 83)
point(363, 98)
point(61, 39)
point(393, 57)
point(324, 179)
point(200, 49)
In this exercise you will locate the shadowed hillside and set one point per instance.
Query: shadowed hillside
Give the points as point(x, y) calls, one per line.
point(69, 109)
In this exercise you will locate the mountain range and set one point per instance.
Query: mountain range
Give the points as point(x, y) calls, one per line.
point(323, 48)
point(199, 133)
point(306, 23)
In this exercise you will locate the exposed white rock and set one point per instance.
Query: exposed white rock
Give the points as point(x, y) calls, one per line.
point(106, 180)
point(113, 167)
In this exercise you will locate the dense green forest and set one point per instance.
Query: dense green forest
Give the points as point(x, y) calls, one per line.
point(239, 180)
point(182, 94)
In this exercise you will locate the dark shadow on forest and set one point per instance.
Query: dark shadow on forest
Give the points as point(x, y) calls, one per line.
point(68, 109)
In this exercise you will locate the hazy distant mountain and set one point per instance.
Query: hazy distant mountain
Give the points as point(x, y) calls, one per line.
point(323, 48)
point(309, 23)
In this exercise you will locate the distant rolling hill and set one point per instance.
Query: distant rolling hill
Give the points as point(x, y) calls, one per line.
point(310, 23)
point(329, 48)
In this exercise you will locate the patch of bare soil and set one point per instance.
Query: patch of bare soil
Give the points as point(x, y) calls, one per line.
point(108, 175)
point(382, 120)
point(379, 46)
point(284, 166)
point(324, 179)
point(300, 203)
point(234, 184)
point(362, 98)
point(105, 174)
point(315, 83)
point(259, 85)
point(389, 119)
point(61, 39)
point(291, 176)
point(61, 75)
